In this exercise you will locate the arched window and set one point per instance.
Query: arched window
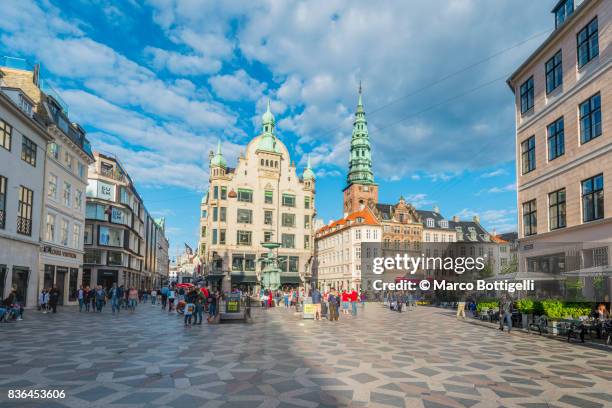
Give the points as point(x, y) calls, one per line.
point(267, 163)
point(262, 162)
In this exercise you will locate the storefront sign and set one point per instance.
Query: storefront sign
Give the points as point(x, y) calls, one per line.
point(232, 304)
point(58, 252)
point(309, 309)
point(106, 191)
point(117, 216)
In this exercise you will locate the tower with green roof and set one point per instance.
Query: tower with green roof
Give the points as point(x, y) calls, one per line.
point(360, 187)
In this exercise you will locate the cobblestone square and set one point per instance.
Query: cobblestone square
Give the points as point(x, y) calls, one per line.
point(422, 358)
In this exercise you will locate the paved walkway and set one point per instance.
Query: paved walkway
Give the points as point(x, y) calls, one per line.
point(423, 358)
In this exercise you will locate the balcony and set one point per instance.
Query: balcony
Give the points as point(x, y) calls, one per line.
point(111, 173)
point(24, 226)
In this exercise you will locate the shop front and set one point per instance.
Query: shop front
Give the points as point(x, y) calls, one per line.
point(61, 269)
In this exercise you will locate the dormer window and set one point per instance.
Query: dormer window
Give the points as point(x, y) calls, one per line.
point(444, 224)
point(562, 11)
point(25, 105)
point(430, 223)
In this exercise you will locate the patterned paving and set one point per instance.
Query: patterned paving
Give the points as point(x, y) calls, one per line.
point(423, 358)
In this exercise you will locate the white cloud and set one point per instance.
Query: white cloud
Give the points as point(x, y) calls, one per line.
point(182, 64)
point(419, 200)
point(237, 86)
point(494, 173)
point(503, 189)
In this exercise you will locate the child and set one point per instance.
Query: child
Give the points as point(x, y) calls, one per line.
point(189, 308)
point(41, 300)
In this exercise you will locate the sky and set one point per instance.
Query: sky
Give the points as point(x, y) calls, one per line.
point(158, 82)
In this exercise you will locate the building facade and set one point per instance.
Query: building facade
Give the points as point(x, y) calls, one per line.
point(338, 246)
point(261, 200)
point(563, 96)
point(121, 238)
point(23, 143)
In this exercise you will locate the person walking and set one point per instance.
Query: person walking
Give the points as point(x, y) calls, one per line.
point(54, 295)
point(81, 297)
point(100, 298)
point(153, 296)
point(212, 305)
point(198, 301)
point(354, 299)
point(171, 295)
point(115, 297)
point(132, 299)
point(86, 298)
point(164, 297)
point(461, 310)
point(92, 298)
point(42, 300)
point(506, 313)
point(316, 301)
point(333, 302)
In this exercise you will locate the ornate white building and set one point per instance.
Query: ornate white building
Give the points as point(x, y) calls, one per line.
point(261, 200)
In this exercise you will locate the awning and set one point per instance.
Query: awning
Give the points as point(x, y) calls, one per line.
point(242, 277)
point(290, 280)
point(213, 278)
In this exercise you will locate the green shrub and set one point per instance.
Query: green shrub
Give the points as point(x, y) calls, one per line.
point(487, 305)
point(525, 306)
point(556, 309)
point(553, 308)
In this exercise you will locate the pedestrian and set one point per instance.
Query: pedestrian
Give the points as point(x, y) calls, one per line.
point(354, 298)
point(54, 295)
point(81, 297)
point(198, 301)
point(164, 297)
point(344, 298)
point(115, 297)
point(92, 298)
point(333, 302)
point(153, 296)
point(171, 295)
point(461, 310)
point(316, 301)
point(86, 298)
point(506, 313)
point(42, 300)
point(100, 298)
point(133, 299)
point(212, 305)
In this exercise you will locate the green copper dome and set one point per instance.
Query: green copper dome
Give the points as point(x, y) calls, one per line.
point(268, 119)
point(308, 173)
point(268, 140)
point(360, 161)
point(218, 160)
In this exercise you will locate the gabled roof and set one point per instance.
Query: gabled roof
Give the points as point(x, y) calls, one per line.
point(465, 228)
point(366, 216)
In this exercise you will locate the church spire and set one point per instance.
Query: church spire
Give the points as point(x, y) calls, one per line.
point(360, 161)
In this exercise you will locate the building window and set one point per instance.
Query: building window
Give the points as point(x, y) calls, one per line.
point(307, 202)
point(306, 241)
point(223, 214)
point(288, 241)
point(54, 150)
point(593, 198)
point(430, 223)
point(307, 221)
point(530, 221)
point(24, 217)
point(216, 192)
point(223, 192)
point(81, 170)
point(527, 95)
point(243, 237)
point(214, 236)
point(556, 142)
point(203, 231)
point(590, 118)
point(6, 134)
point(588, 44)
point(245, 216)
point(52, 187)
point(88, 235)
point(64, 232)
point(78, 199)
point(2, 202)
point(67, 194)
point(554, 72)
point(288, 200)
point(556, 209)
point(114, 258)
point(268, 196)
point(28, 151)
point(76, 236)
point(563, 11)
point(267, 236)
point(215, 214)
point(288, 220)
point(268, 217)
point(245, 195)
point(528, 157)
point(50, 228)
point(222, 237)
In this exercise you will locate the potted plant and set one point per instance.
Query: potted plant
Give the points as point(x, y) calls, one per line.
point(525, 307)
point(553, 309)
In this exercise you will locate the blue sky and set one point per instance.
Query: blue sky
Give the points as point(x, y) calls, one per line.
point(159, 82)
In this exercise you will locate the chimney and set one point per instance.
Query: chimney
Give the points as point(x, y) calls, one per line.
point(36, 75)
point(476, 219)
point(455, 218)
